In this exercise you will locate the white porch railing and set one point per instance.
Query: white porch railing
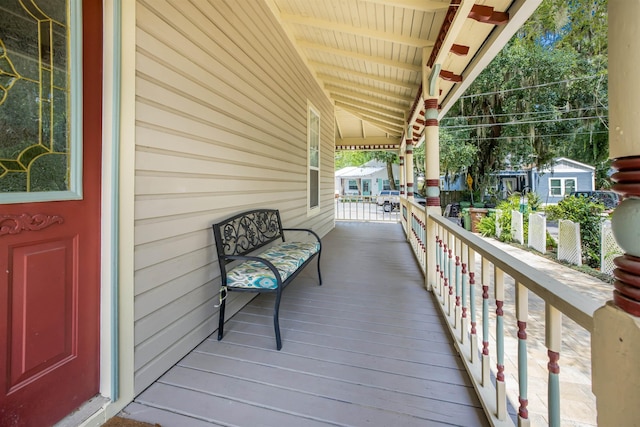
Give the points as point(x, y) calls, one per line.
point(467, 275)
point(363, 208)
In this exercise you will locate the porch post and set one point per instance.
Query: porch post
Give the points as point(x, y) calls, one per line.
point(401, 173)
point(431, 167)
point(408, 159)
point(615, 343)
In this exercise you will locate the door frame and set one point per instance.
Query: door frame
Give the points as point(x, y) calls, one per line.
point(118, 204)
point(117, 229)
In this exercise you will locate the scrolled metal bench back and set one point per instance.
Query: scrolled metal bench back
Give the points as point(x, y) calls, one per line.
point(249, 231)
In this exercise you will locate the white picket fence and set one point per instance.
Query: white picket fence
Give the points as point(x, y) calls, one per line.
point(569, 247)
point(537, 232)
point(517, 227)
point(569, 243)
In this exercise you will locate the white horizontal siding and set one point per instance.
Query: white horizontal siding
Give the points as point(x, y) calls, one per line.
point(221, 127)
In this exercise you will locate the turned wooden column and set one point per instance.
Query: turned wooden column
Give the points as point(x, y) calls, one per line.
point(624, 147)
point(409, 164)
point(402, 174)
point(432, 156)
point(615, 339)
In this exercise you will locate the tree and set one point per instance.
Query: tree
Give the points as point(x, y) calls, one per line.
point(350, 158)
point(544, 95)
point(455, 156)
point(389, 158)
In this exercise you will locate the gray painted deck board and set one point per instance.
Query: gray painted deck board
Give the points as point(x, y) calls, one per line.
point(365, 348)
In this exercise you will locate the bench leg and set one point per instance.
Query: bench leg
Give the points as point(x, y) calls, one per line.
point(319, 275)
point(223, 303)
point(276, 321)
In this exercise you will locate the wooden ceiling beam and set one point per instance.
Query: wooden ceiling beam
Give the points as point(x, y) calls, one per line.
point(356, 31)
point(373, 111)
point(366, 58)
point(390, 128)
point(334, 81)
point(345, 71)
point(420, 5)
point(401, 108)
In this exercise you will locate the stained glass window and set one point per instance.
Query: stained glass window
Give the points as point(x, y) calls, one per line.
point(35, 97)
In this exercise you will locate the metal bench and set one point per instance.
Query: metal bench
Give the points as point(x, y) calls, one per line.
point(254, 257)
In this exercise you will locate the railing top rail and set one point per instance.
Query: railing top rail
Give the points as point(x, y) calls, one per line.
point(576, 306)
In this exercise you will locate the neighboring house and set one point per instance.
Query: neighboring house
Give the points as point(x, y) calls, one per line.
point(453, 183)
point(564, 176)
point(552, 183)
point(366, 180)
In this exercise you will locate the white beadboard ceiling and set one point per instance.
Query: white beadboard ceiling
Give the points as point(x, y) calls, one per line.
point(370, 56)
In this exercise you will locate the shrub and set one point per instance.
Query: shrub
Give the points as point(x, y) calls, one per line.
point(550, 241)
point(534, 201)
point(487, 225)
point(589, 215)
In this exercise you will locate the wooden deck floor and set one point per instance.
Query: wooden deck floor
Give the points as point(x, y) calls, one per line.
point(366, 348)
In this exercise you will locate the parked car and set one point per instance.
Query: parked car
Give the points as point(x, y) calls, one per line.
point(393, 201)
point(388, 196)
point(608, 198)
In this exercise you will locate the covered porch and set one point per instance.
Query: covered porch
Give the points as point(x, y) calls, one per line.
point(367, 347)
point(217, 102)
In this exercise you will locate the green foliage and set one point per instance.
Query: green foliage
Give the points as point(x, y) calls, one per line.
point(534, 201)
point(543, 96)
point(487, 225)
point(350, 158)
point(550, 241)
point(589, 215)
point(389, 158)
point(455, 156)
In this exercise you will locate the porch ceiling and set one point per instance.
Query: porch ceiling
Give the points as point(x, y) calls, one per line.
point(370, 56)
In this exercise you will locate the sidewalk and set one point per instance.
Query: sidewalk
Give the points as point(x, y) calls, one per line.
point(577, 403)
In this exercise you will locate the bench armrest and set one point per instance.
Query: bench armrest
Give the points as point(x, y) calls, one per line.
point(271, 267)
point(307, 230)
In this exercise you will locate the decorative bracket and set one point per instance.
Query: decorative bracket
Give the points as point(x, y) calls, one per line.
point(14, 224)
point(450, 76)
point(486, 14)
point(459, 49)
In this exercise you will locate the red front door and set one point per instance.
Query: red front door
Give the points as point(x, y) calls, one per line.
point(49, 251)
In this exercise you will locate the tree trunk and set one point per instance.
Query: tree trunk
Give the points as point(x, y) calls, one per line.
point(392, 181)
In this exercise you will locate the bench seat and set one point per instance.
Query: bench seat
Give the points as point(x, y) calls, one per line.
point(286, 257)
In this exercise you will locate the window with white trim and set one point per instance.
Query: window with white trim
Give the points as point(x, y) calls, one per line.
point(313, 145)
point(560, 187)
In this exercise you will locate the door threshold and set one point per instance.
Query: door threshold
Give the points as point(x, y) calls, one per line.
point(84, 412)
